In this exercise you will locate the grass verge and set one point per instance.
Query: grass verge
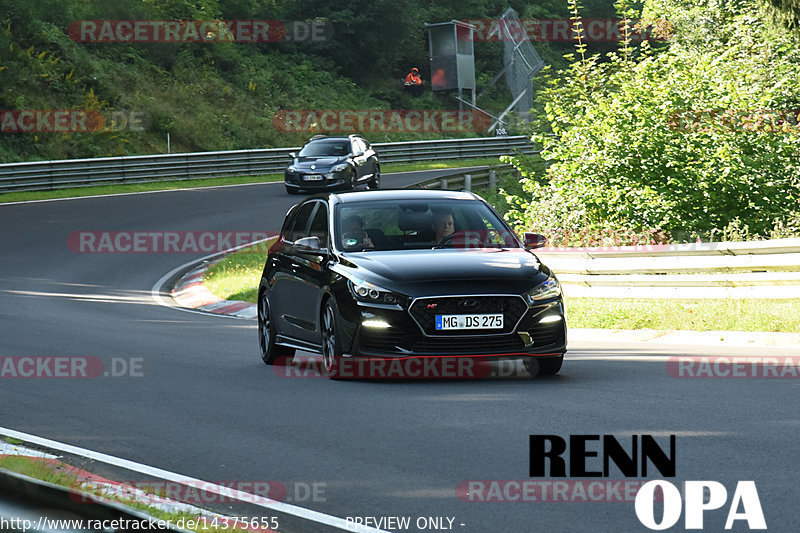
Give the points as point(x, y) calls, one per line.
point(236, 276)
point(63, 475)
point(694, 315)
point(77, 192)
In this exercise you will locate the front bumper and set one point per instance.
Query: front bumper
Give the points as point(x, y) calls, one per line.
point(327, 181)
point(404, 337)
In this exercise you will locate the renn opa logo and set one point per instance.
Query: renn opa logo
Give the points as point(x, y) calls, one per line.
point(592, 456)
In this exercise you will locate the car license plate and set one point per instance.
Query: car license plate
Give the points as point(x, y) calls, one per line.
point(312, 177)
point(446, 322)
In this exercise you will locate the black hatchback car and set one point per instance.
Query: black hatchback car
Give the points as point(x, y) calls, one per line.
point(327, 163)
point(407, 274)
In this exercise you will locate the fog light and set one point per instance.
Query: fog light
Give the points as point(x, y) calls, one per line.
point(550, 318)
point(372, 323)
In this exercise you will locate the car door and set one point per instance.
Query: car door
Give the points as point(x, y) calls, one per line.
point(308, 274)
point(371, 165)
point(281, 272)
point(360, 161)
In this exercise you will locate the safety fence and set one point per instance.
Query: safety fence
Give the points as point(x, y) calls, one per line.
point(755, 269)
point(50, 175)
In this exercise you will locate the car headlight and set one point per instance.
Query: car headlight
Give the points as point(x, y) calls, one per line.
point(544, 291)
point(364, 291)
point(340, 167)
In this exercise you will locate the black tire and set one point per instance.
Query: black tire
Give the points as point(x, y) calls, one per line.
point(375, 182)
point(292, 190)
point(270, 352)
point(331, 348)
point(543, 366)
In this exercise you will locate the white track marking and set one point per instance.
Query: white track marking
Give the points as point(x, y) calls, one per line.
point(294, 510)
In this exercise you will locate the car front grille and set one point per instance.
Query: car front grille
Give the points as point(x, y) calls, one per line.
point(424, 311)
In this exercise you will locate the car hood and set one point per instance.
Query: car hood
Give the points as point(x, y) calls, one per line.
point(444, 270)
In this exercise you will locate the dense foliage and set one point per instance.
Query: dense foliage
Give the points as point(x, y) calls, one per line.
point(695, 140)
point(224, 95)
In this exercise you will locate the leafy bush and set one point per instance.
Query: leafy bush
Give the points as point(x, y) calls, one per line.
point(674, 142)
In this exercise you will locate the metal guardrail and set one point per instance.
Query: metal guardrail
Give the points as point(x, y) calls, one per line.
point(49, 175)
point(757, 269)
point(473, 179)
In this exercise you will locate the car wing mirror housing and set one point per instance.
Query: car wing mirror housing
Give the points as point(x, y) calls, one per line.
point(533, 240)
point(293, 155)
point(358, 153)
point(310, 245)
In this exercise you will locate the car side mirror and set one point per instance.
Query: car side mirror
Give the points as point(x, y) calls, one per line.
point(293, 155)
point(310, 245)
point(359, 153)
point(533, 240)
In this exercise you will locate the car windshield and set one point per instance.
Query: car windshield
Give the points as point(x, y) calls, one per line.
point(418, 224)
point(326, 148)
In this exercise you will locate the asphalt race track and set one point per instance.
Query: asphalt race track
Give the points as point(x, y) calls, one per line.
point(203, 404)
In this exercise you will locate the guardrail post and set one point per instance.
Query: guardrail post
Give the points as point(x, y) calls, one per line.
point(492, 180)
point(443, 184)
point(468, 182)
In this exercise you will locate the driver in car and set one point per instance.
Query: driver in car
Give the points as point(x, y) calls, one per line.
point(443, 225)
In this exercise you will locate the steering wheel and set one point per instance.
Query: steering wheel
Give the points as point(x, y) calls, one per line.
point(446, 240)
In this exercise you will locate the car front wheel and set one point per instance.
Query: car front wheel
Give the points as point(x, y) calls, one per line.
point(375, 182)
point(331, 350)
point(270, 351)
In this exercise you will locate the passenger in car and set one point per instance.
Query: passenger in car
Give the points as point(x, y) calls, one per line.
point(364, 237)
point(354, 235)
